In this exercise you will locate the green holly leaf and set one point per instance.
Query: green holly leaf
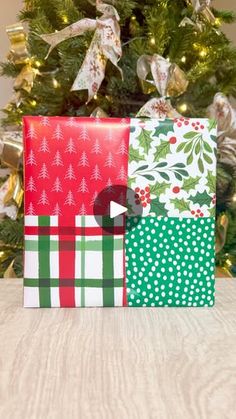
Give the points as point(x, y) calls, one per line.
point(202, 198)
point(164, 128)
point(158, 207)
point(211, 182)
point(214, 138)
point(134, 154)
point(212, 124)
point(180, 204)
point(189, 135)
point(148, 177)
point(200, 165)
point(190, 183)
point(162, 150)
point(145, 140)
point(159, 188)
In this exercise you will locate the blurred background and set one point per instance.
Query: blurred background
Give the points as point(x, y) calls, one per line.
point(8, 16)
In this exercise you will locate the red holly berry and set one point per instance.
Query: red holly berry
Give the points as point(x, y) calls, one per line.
point(148, 200)
point(196, 128)
point(142, 192)
point(137, 189)
point(193, 124)
point(147, 189)
point(181, 119)
point(176, 189)
point(179, 124)
point(172, 140)
point(137, 202)
point(201, 214)
point(192, 212)
point(144, 204)
point(136, 195)
point(202, 126)
point(197, 215)
point(147, 195)
point(186, 122)
point(198, 210)
point(142, 198)
point(198, 123)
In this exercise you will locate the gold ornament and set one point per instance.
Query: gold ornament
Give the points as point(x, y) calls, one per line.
point(12, 149)
point(25, 80)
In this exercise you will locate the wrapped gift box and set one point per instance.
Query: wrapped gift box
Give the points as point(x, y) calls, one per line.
point(164, 258)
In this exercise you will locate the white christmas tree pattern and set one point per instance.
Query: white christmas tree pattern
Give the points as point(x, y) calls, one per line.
point(31, 185)
point(109, 162)
point(123, 148)
point(82, 210)
point(45, 121)
point(57, 187)
point(44, 148)
point(32, 132)
point(84, 134)
point(70, 148)
point(71, 122)
point(57, 161)
point(70, 174)
point(31, 160)
point(83, 160)
point(83, 187)
point(57, 210)
point(122, 174)
point(96, 174)
point(109, 186)
point(69, 199)
point(57, 135)
point(96, 149)
point(43, 200)
point(94, 197)
point(43, 174)
point(30, 209)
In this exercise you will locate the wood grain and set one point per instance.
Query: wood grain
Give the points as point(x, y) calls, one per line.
point(117, 363)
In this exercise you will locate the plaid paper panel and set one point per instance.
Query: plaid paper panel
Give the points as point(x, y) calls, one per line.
point(72, 262)
point(170, 262)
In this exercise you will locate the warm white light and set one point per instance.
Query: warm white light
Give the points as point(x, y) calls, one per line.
point(183, 107)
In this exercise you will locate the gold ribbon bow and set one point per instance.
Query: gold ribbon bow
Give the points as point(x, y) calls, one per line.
point(168, 79)
point(19, 55)
point(11, 156)
point(105, 46)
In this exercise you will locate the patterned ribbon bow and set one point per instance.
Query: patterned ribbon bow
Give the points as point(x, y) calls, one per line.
point(168, 79)
point(105, 45)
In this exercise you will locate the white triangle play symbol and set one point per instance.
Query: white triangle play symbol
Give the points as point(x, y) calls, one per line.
point(116, 209)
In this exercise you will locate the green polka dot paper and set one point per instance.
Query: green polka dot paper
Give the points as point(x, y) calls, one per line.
point(170, 262)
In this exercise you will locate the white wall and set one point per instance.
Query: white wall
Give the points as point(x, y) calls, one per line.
point(12, 7)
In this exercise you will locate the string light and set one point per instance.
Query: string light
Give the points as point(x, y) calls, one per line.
point(183, 107)
point(228, 263)
point(55, 83)
point(217, 21)
point(65, 19)
point(133, 17)
point(203, 52)
point(152, 40)
point(33, 103)
point(37, 63)
point(95, 97)
point(234, 198)
point(183, 59)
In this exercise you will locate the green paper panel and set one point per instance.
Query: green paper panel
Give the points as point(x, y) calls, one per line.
point(170, 262)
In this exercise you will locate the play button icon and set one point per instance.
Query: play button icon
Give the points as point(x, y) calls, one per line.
point(117, 207)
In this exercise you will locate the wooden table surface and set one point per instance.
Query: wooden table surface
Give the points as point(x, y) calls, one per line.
point(117, 363)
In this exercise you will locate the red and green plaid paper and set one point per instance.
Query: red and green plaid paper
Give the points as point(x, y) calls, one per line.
point(166, 259)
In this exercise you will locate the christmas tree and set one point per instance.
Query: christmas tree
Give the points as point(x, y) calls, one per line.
point(186, 32)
